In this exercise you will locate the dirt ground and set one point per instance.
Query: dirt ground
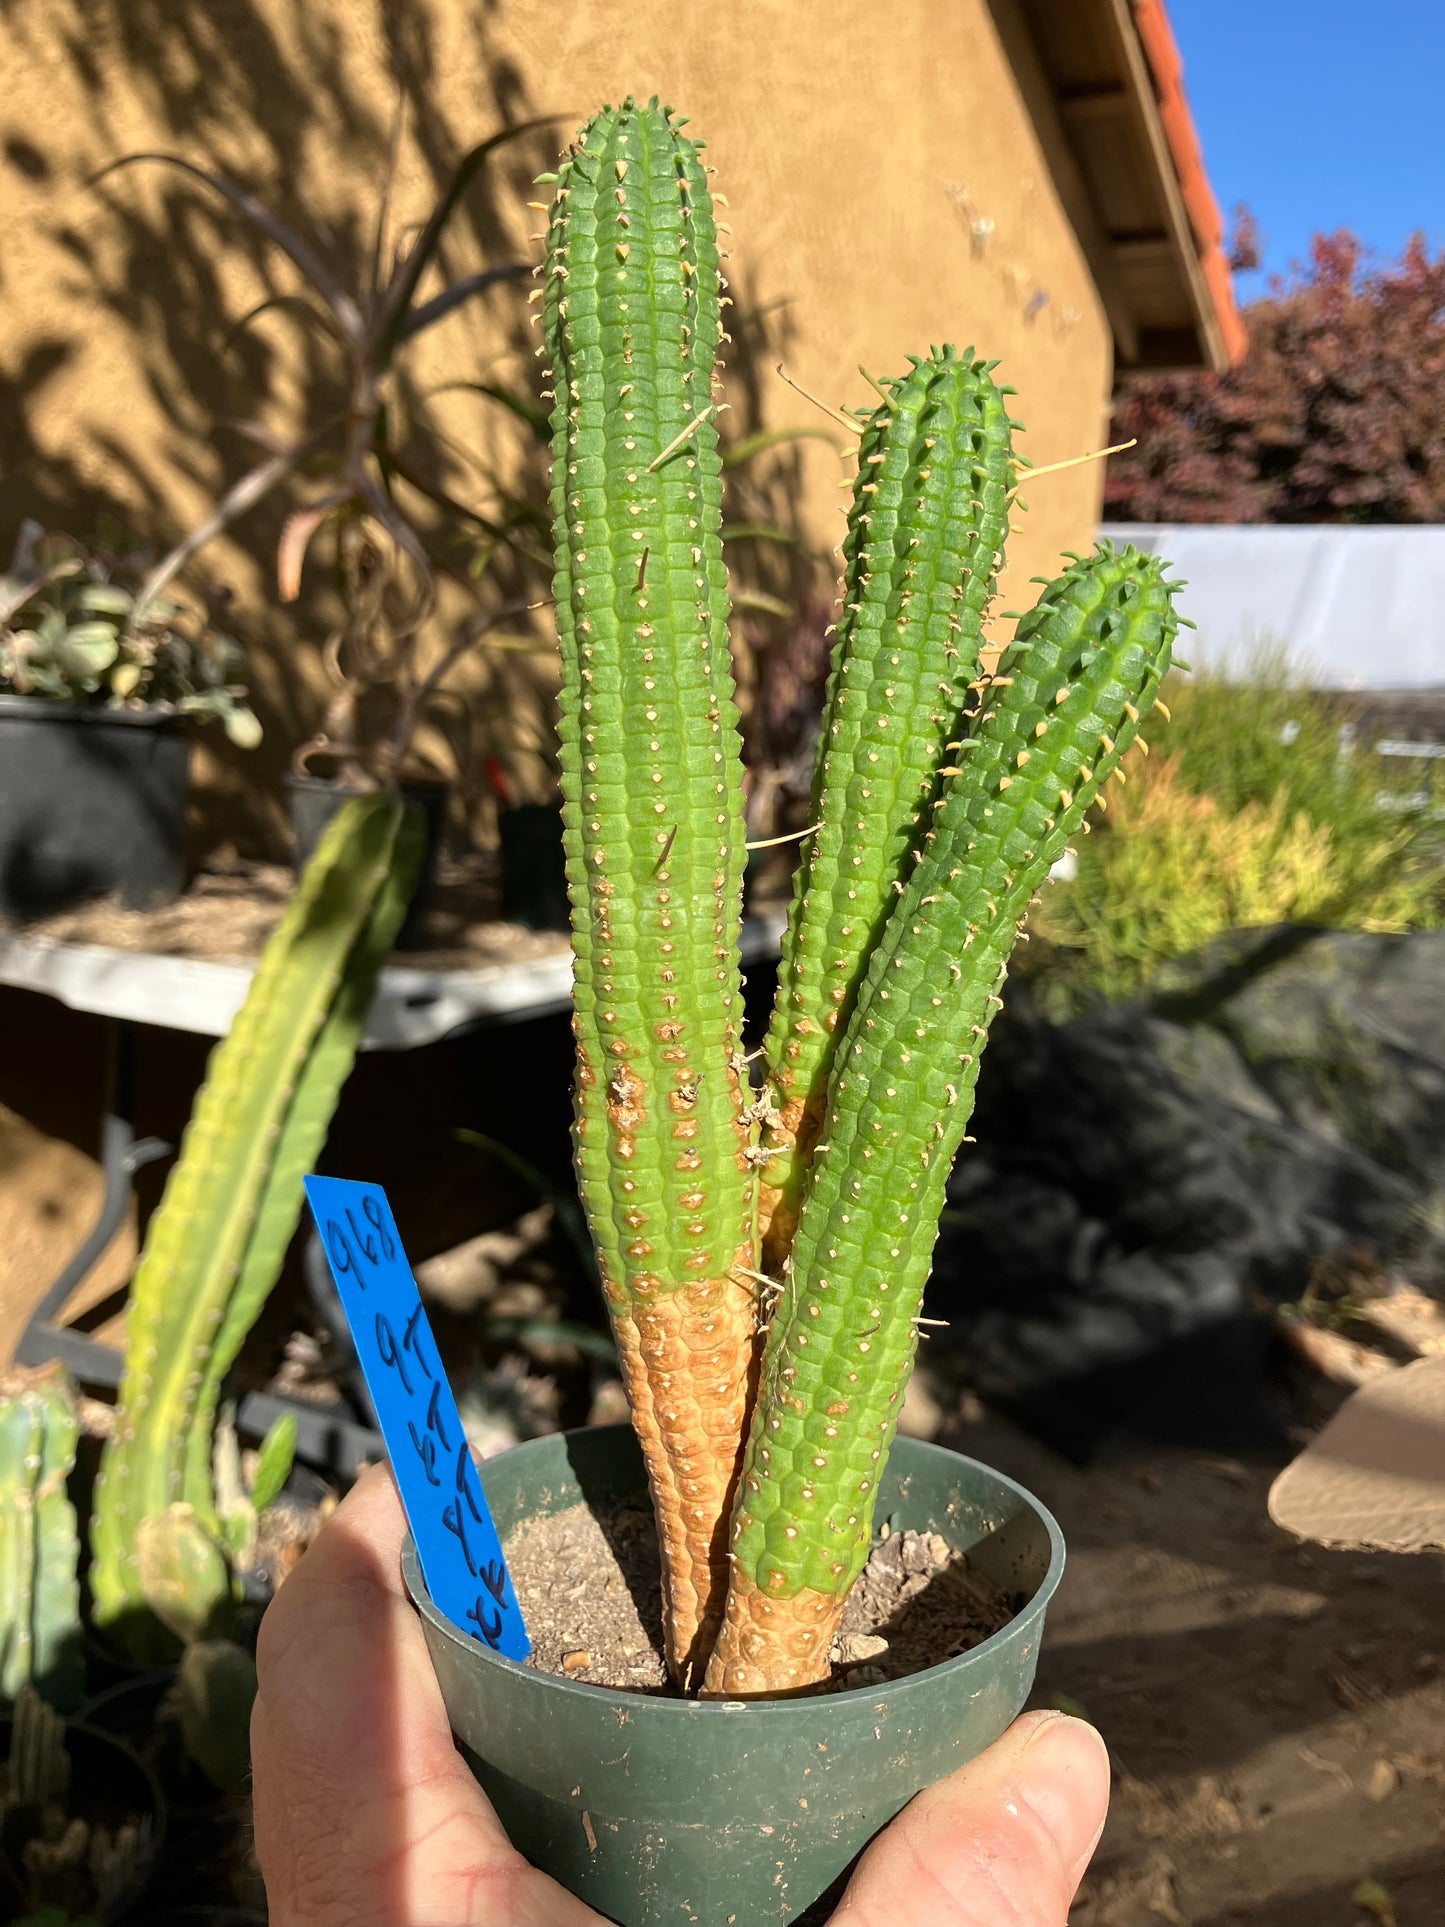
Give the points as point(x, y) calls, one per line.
point(1276, 1713)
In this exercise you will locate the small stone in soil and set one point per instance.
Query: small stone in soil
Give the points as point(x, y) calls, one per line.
point(589, 1588)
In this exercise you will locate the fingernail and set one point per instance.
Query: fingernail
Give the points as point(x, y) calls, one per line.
point(1063, 1774)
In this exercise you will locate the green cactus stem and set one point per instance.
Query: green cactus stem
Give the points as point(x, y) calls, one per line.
point(925, 536)
point(37, 1767)
point(215, 1246)
point(40, 1637)
point(1071, 690)
point(653, 819)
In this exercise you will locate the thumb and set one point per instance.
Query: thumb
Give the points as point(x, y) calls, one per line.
point(1003, 1842)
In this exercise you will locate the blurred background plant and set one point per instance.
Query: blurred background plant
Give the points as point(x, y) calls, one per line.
point(74, 628)
point(1267, 809)
point(372, 456)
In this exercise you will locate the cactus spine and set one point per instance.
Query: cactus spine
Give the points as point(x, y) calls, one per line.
point(653, 819)
point(215, 1246)
point(940, 800)
point(40, 1638)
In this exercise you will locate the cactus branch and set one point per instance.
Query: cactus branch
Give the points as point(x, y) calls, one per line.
point(925, 535)
point(842, 1340)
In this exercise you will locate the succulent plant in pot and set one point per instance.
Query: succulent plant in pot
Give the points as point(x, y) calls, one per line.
point(764, 1232)
point(99, 682)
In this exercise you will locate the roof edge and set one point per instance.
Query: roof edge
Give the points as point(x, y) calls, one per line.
point(1166, 71)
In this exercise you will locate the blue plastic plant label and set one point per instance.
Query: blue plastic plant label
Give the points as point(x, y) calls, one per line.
point(456, 1542)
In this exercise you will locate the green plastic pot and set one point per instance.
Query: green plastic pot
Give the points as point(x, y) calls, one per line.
point(733, 1813)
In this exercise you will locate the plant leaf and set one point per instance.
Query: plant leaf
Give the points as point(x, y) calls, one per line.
point(768, 605)
point(565, 1207)
point(766, 438)
point(441, 305)
point(303, 256)
point(395, 305)
point(528, 411)
point(296, 540)
point(274, 1461)
point(288, 303)
point(87, 649)
point(509, 1330)
point(762, 532)
point(242, 727)
point(1376, 1900)
point(103, 599)
point(253, 486)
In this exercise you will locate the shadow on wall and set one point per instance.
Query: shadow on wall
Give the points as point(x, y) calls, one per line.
point(156, 268)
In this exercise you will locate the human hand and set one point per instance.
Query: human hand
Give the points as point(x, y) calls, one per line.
point(367, 1816)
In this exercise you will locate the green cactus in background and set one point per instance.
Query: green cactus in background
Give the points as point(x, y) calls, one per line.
point(40, 1638)
point(64, 1867)
point(940, 801)
point(161, 1538)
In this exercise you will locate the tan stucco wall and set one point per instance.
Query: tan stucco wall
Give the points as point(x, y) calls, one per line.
point(859, 147)
point(885, 187)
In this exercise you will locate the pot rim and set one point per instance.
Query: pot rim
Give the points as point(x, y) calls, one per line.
point(806, 1704)
point(56, 709)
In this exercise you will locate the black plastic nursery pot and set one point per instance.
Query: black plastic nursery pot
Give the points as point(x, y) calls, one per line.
point(534, 866)
point(733, 1813)
point(313, 801)
point(91, 801)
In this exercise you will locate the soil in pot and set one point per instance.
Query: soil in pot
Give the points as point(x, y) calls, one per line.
point(589, 1585)
point(657, 1809)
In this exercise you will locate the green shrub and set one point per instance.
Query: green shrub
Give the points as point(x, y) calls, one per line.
point(1262, 813)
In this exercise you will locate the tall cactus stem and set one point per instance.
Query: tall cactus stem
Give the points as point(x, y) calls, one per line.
point(653, 820)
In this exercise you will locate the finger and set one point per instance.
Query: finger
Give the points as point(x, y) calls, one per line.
point(1003, 1842)
point(365, 1813)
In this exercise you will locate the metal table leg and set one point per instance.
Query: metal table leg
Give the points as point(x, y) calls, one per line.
point(122, 1154)
point(327, 1437)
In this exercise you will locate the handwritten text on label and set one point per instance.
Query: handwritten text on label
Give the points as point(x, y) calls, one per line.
point(456, 1542)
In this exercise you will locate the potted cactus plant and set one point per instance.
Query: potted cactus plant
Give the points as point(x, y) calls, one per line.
point(98, 685)
point(764, 1233)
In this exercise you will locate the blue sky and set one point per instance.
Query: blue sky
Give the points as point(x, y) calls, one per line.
point(1319, 115)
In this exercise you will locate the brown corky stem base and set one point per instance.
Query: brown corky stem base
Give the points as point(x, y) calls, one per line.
point(772, 1645)
point(688, 1361)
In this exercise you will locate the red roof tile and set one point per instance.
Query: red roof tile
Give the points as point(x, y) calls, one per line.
point(1166, 69)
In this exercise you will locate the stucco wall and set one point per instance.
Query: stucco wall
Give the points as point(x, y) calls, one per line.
point(885, 186)
point(886, 190)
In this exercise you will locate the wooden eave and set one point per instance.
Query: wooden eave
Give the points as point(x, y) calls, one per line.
point(1116, 130)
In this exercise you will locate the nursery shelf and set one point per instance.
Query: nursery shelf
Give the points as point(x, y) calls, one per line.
point(414, 1005)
